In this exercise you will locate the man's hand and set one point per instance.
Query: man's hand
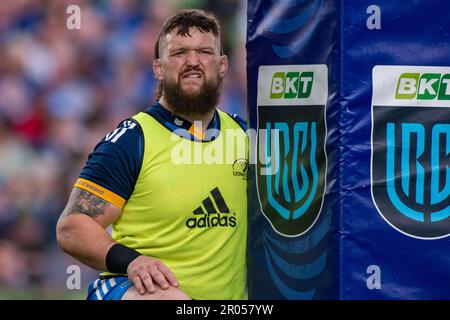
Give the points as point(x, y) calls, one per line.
point(146, 272)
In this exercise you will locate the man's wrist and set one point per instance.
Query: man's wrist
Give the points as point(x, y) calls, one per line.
point(119, 257)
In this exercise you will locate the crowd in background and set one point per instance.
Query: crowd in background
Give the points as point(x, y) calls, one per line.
point(61, 91)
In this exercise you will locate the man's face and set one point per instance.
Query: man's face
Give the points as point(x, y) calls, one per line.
point(191, 70)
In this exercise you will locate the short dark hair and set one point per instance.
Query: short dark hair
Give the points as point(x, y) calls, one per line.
point(184, 19)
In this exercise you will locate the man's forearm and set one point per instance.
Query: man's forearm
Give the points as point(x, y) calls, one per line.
point(83, 238)
point(81, 228)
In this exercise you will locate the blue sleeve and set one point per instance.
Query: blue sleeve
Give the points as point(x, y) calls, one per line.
point(116, 161)
point(242, 123)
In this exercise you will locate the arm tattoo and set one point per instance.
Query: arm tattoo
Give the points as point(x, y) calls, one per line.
point(87, 203)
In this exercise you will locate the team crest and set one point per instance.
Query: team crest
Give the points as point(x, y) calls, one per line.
point(291, 166)
point(411, 148)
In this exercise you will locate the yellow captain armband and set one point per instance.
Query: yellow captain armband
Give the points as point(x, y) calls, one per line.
point(100, 192)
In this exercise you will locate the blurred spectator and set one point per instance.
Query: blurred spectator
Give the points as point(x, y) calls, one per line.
point(12, 265)
point(60, 91)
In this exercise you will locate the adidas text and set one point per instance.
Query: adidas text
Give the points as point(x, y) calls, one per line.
point(211, 220)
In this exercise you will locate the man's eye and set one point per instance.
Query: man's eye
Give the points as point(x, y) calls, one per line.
point(178, 53)
point(205, 52)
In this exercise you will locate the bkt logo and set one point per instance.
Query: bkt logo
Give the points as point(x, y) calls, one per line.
point(290, 85)
point(427, 86)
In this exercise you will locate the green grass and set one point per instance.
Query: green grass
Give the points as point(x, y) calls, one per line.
point(36, 294)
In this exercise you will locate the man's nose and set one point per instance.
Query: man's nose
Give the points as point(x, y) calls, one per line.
point(192, 58)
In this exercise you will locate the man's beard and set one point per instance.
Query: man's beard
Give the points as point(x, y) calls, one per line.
point(188, 103)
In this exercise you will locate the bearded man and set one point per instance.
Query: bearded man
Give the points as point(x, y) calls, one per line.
point(179, 231)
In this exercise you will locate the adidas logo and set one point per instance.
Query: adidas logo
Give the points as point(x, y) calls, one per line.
point(212, 217)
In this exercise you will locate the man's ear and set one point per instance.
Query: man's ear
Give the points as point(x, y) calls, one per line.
point(157, 69)
point(223, 66)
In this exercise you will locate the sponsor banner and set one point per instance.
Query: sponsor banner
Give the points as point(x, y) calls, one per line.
point(291, 253)
point(393, 87)
point(291, 176)
point(350, 195)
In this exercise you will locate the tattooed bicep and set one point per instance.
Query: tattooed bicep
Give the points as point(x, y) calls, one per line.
point(81, 201)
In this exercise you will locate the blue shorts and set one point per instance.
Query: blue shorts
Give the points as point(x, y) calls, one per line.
point(112, 288)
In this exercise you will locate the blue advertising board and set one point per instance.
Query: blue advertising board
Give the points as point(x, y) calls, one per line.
point(350, 188)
